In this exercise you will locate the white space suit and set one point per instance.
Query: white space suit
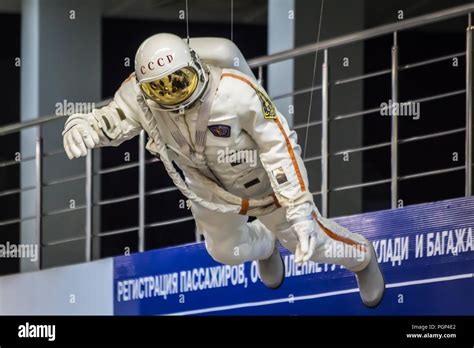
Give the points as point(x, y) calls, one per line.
point(248, 150)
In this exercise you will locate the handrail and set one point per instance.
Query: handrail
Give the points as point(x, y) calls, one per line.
point(15, 127)
point(299, 51)
point(363, 35)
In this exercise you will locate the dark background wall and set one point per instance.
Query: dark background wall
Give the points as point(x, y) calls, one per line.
point(10, 101)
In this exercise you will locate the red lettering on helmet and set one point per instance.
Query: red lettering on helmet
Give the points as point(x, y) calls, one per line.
point(160, 62)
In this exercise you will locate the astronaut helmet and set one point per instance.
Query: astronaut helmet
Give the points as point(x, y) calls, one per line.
point(169, 72)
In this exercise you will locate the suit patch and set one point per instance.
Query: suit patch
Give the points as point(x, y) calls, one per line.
point(268, 109)
point(220, 130)
point(279, 175)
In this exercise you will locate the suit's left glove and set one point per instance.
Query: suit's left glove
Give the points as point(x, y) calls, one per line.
point(304, 227)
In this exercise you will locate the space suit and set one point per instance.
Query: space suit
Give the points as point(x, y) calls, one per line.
point(238, 156)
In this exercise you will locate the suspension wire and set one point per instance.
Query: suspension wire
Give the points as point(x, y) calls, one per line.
point(312, 81)
point(231, 20)
point(187, 23)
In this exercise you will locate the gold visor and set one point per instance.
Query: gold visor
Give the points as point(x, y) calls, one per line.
point(172, 89)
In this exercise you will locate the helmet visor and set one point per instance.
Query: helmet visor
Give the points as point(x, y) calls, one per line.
point(173, 88)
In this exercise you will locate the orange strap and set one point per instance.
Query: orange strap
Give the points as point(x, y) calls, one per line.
point(132, 75)
point(275, 200)
point(282, 130)
point(292, 155)
point(338, 237)
point(244, 207)
point(243, 79)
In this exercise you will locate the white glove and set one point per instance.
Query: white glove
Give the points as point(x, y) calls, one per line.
point(78, 135)
point(304, 228)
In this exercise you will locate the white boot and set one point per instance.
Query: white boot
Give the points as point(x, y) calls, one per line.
point(371, 281)
point(272, 270)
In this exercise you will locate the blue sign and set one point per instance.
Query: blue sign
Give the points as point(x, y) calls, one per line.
point(426, 253)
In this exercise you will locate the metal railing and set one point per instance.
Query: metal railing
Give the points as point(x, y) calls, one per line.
point(325, 122)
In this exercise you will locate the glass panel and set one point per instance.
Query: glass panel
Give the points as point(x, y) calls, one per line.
point(168, 235)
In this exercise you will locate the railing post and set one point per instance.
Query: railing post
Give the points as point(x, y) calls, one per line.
point(39, 196)
point(325, 137)
point(394, 136)
point(89, 206)
point(260, 75)
point(468, 148)
point(141, 193)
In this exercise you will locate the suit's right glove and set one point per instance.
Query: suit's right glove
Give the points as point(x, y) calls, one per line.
point(304, 227)
point(78, 135)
